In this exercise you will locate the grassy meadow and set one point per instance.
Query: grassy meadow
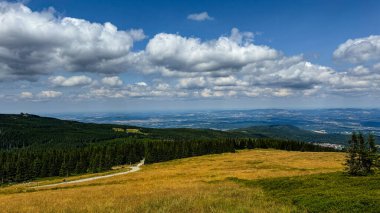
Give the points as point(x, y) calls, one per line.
point(246, 181)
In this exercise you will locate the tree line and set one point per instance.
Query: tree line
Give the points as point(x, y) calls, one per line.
point(165, 150)
point(25, 164)
point(362, 156)
point(30, 163)
point(24, 136)
point(271, 143)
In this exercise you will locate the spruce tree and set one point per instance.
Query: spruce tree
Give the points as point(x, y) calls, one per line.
point(352, 150)
point(64, 171)
point(373, 155)
point(36, 170)
point(361, 154)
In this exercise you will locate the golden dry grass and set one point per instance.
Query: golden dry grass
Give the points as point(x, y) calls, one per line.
point(187, 185)
point(52, 180)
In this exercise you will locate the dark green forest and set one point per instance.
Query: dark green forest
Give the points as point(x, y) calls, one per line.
point(292, 133)
point(24, 130)
point(35, 147)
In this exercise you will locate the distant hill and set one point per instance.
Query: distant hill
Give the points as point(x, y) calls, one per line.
point(23, 130)
point(292, 133)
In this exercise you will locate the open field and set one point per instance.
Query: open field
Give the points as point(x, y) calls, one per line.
point(230, 182)
point(134, 131)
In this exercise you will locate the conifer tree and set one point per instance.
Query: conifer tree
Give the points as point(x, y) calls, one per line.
point(373, 155)
point(36, 168)
point(64, 171)
point(352, 150)
point(361, 154)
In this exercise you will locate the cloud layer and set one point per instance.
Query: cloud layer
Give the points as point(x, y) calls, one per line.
point(35, 46)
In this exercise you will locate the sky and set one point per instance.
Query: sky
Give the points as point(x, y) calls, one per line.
point(92, 56)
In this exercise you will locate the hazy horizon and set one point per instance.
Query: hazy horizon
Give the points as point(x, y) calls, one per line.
point(342, 121)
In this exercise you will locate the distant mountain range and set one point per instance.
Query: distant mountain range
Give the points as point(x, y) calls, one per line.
point(23, 130)
point(342, 121)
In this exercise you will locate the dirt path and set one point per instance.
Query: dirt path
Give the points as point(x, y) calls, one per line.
point(133, 169)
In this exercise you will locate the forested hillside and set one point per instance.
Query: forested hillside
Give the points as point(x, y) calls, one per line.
point(28, 163)
point(291, 133)
point(17, 131)
point(34, 147)
point(23, 130)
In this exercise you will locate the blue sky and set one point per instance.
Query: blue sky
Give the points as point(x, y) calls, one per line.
point(246, 54)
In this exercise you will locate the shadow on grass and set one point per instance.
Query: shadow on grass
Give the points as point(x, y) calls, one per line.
point(332, 192)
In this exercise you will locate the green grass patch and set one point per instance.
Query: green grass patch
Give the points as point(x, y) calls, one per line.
point(134, 131)
point(333, 192)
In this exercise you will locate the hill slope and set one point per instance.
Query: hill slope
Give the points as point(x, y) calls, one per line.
point(291, 133)
point(34, 147)
point(23, 130)
point(235, 182)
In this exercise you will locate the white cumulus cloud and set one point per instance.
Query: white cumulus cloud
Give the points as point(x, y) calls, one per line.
point(26, 95)
point(203, 16)
point(176, 54)
point(282, 92)
point(235, 65)
point(33, 43)
point(142, 84)
point(112, 81)
point(49, 94)
point(70, 81)
point(359, 50)
point(192, 83)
